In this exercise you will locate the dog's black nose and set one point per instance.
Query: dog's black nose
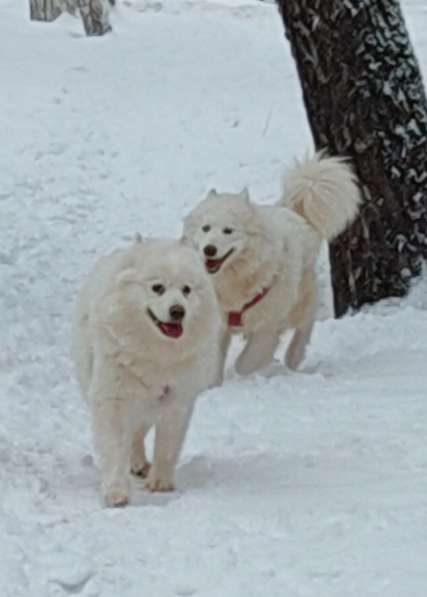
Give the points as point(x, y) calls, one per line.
point(210, 251)
point(177, 312)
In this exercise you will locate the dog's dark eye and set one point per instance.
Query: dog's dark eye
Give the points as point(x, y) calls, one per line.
point(228, 230)
point(186, 290)
point(206, 228)
point(158, 288)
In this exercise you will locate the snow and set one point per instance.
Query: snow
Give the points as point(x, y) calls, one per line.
point(298, 485)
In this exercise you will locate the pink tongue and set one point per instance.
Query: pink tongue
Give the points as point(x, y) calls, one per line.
point(212, 262)
point(173, 330)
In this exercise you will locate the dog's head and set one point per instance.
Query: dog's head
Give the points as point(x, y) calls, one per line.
point(221, 228)
point(166, 295)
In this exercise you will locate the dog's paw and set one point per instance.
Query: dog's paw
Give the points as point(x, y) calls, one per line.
point(244, 366)
point(116, 494)
point(274, 369)
point(160, 486)
point(295, 355)
point(293, 360)
point(140, 469)
point(115, 498)
point(157, 483)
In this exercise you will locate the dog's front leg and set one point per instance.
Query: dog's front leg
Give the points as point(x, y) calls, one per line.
point(170, 435)
point(258, 352)
point(110, 417)
point(139, 464)
point(224, 345)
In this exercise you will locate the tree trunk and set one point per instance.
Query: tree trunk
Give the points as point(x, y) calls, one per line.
point(364, 98)
point(95, 16)
point(70, 6)
point(45, 10)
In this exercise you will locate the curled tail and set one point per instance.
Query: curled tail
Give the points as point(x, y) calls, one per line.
point(324, 191)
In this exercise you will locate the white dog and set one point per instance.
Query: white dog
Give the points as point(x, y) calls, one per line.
point(262, 258)
point(145, 341)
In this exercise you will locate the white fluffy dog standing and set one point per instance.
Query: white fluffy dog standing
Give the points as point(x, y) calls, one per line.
point(262, 258)
point(145, 340)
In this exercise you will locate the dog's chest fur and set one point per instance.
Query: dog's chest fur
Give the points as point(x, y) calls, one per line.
point(276, 261)
point(236, 287)
point(251, 273)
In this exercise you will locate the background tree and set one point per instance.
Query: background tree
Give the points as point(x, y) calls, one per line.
point(95, 16)
point(94, 13)
point(364, 98)
point(45, 10)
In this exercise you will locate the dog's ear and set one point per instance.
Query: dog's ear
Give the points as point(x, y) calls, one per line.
point(212, 193)
point(244, 194)
point(185, 241)
point(127, 276)
point(189, 222)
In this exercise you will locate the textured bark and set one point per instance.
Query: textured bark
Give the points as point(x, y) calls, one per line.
point(69, 6)
point(45, 10)
point(364, 98)
point(94, 14)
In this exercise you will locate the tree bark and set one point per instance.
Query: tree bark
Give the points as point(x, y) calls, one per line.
point(70, 6)
point(45, 10)
point(94, 14)
point(364, 98)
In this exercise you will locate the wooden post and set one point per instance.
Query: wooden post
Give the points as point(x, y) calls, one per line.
point(45, 10)
point(94, 14)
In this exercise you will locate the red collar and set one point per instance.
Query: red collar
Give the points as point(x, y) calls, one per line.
point(235, 317)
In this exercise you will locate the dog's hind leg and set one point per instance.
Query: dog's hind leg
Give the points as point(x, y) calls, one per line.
point(258, 352)
point(297, 347)
point(139, 464)
point(302, 318)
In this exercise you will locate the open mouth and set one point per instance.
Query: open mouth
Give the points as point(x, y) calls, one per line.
point(170, 329)
point(214, 265)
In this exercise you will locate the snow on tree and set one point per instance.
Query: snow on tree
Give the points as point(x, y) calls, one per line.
point(95, 16)
point(364, 98)
point(94, 13)
point(45, 10)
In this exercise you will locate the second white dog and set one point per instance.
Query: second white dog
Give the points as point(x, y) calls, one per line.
point(262, 259)
point(145, 343)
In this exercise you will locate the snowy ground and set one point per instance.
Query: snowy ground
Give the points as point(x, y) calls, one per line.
point(304, 485)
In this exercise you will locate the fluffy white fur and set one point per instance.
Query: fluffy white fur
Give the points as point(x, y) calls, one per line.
point(324, 191)
point(274, 248)
point(132, 374)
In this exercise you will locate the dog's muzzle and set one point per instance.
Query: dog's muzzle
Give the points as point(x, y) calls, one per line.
point(171, 329)
point(214, 265)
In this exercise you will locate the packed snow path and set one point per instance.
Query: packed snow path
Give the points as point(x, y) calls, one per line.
point(300, 485)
